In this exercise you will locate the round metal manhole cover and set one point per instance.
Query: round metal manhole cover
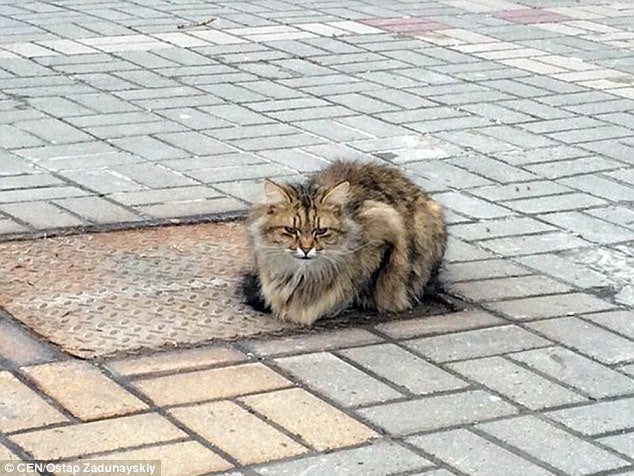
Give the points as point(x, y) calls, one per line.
point(101, 294)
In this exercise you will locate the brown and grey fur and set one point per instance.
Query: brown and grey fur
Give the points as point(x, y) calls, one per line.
point(354, 234)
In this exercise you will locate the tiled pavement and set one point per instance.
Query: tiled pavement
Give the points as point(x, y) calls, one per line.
point(516, 115)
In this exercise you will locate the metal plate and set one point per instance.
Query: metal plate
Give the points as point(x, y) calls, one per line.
point(105, 293)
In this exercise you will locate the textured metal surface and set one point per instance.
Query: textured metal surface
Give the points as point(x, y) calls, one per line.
point(122, 291)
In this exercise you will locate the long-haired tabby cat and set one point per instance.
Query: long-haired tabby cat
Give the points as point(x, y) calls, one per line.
point(354, 234)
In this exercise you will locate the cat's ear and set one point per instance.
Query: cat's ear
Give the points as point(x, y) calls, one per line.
point(337, 195)
point(275, 193)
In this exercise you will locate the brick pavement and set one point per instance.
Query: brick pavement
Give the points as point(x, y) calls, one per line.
point(517, 116)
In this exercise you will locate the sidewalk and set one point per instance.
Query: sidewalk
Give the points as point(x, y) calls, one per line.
point(518, 117)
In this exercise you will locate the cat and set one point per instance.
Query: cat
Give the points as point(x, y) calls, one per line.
point(354, 234)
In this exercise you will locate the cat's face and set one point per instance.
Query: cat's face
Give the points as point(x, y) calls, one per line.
point(304, 225)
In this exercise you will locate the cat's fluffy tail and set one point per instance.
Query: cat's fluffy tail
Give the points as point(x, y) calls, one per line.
point(252, 292)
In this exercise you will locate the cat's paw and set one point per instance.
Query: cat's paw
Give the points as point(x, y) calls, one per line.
point(391, 300)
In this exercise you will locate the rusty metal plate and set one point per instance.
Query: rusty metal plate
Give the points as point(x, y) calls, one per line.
point(105, 293)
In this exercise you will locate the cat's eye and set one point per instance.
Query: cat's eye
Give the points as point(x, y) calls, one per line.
point(290, 230)
point(320, 231)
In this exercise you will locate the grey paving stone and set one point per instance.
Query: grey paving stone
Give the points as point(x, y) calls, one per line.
point(97, 210)
point(153, 175)
point(13, 138)
point(550, 306)
point(565, 270)
point(623, 443)
point(478, 270)
point(447, 174)
point(617, 214)
point(28, 181)
point(40, 193)
point(535, 109)
point(531, 244)
point(599, 186)
point(581, 373)
point(546, 154)
point(598, 418)
point(516, 191)
point(278, 142)
point(589, 228)
point(379, 458)
point(148, 148)
point(295, 159)
point(460, 321)
point(403, 368)
point(449, 124)
point(504, 288)
point(351, 387)
point(420, 115)
point(41, 215)
point(538, 438)
point(472, 207)
point(617, 321)
point(472, 454)
point(475, 343)
point(460, 251)
point(516, 383)
point(566, 168)
point(193, 208)
point(493, 169)
point(589, 135)
point(177, 194)
point(229, 174)
point(101, 181)
point(8, 226)
point(486, 229)
point(434, 413)
point(196, 143)
point(586, 338)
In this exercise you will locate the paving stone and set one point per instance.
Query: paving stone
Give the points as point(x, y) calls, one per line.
point(623, 443)
point(599, 186)
point(550, 306)
point(403, 368)
point(594, 380)
point(516, 383)
point(154, 176)
point(475, 343)
point(98, 436)
point(499, 228)
point(322, 341)
point(196, 143)
point(379, 458)
point(565, 168)
point(598, 418)
point(101, 181)
point(13, 138)
point(83, 390)
point(589, 228)
point(587, 339)
point(473, 454)
point(41, 215)
point(458, 250)
point(538, 438)
point(195, 208)
point(433, 413)
point(351, 387)
point(8, 226)
point(441, 172)
point(568, 201)
point(19, 347)
point(504, 288)
point(210, 384)
point(476, 270)
point(97, 210)
point(470, 206)
point(148, 148)
point(145, 197)
point(320, 425)
point(617, 321)
point(460, 321)
point(531, 244)
point(22, 408)
point(237, 432)
point(565, 270)
point(177, 459)
point(175, 361)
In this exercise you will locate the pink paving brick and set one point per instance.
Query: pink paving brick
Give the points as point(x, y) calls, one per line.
point(530, 15)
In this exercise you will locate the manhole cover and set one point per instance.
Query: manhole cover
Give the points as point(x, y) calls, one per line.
point(100, 294)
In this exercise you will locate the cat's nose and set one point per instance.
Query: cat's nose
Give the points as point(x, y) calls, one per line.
point(305, 250)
